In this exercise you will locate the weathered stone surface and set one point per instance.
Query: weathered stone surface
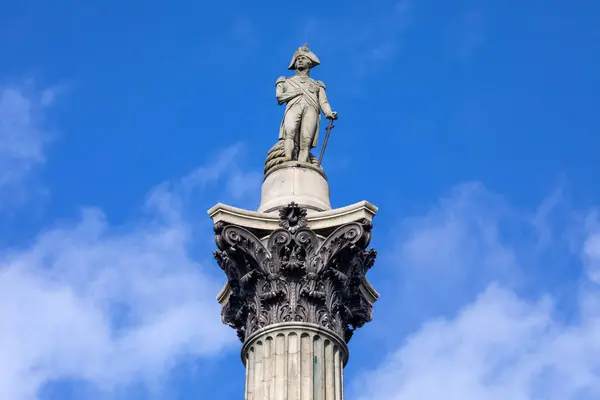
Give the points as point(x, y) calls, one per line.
point(276, 156)
point(294, 361)
point(302, 183)
point(295, 275)
point(305, 99)
point(317, 221)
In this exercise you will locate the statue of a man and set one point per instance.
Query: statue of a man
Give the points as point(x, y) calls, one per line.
point(305, 98)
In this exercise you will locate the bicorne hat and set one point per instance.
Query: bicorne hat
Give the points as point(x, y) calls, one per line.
point(304, 51)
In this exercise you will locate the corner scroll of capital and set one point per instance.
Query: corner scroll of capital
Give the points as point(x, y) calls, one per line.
point(298, 276)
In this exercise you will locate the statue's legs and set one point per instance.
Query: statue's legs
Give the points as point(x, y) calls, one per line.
point(291, 125)
point(308, 129)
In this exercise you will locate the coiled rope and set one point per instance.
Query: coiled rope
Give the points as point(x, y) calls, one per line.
point(276, 156)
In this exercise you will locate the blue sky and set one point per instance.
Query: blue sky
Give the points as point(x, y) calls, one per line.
point(472, 125)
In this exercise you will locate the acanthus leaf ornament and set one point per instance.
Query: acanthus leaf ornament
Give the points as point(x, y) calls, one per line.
point(297, 276)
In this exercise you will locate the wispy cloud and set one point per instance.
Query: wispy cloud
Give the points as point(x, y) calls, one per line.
point(23, 134)
point(365, 42)
point(503, 343)
point(499, 347)
point(591, 247)
point(443, 258)
point(111, 306)
point(241, 184)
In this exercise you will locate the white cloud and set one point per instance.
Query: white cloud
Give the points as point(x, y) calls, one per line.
point(447, 256)
point(240, 183)
point(501, 345)
point(23, 133)
point(110, 305)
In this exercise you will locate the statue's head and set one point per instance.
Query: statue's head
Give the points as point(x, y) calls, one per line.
point(304, 59)
point(303, 62)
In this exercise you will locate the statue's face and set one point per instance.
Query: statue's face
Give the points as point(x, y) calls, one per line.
point(302, 62)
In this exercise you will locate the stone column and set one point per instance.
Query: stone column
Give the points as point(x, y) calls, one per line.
point(294, 361)
point(296, 291)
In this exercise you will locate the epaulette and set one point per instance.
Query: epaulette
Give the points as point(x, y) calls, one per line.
point(281, 79)
point(321, 83)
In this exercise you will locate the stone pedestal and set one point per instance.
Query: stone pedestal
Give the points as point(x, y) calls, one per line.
point(294, 361)
point(296, 291)
point(302, 183)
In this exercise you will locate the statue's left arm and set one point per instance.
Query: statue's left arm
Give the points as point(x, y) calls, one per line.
point(324, 103)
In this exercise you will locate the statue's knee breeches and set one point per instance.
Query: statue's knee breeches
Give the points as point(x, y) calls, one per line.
point(308, 128)
point(291, 123)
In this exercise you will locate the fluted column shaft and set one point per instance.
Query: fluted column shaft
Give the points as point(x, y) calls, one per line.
point(294, 361)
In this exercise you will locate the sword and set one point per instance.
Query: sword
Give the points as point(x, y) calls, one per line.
point(328, 130)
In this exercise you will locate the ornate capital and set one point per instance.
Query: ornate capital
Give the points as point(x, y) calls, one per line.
point(294, 274)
